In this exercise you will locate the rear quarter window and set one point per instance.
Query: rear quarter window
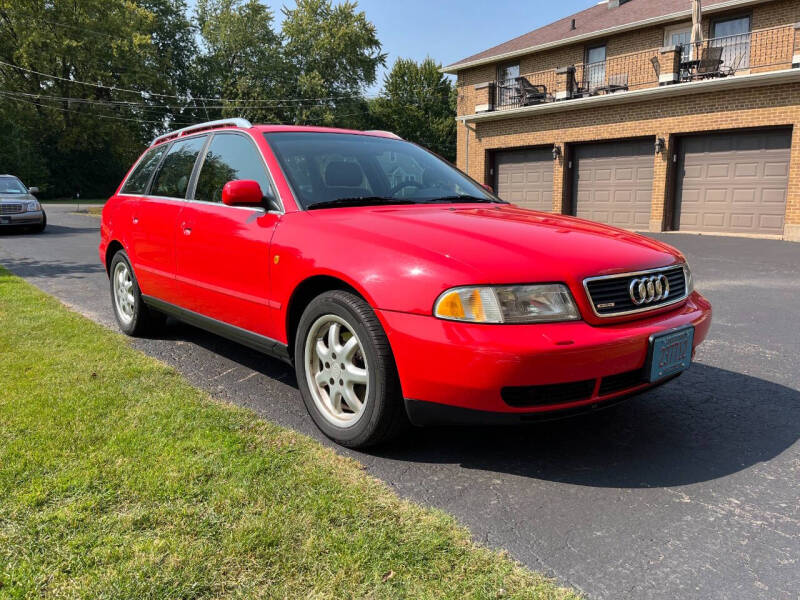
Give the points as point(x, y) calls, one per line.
point(138, 180)
point(172, 179)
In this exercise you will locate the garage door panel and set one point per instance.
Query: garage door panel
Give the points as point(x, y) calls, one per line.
point(734, 182)
point(525, 178)
point(776, 169)
point(745, 221)
point(613, 183)
point(749, 169)
point(777, 197)
point(771, 221)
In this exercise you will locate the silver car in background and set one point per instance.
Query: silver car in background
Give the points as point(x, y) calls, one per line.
point(18, 206)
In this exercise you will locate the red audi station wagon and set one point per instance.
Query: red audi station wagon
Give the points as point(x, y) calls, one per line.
point(401, 290)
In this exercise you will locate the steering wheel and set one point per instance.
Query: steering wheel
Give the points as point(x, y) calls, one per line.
point(405, 184)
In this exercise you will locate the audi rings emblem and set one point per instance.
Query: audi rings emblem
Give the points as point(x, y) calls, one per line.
point(647, 290)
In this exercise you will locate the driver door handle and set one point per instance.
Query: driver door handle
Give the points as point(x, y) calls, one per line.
point(187, 230)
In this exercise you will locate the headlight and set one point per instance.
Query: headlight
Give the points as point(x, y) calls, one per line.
point(508, 304)
point(689, 279)
point(34, 205)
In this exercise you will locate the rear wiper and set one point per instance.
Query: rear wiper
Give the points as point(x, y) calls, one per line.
point(361, 201)
point(465, 199)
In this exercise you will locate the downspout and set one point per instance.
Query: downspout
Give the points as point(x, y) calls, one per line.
point(466, 150)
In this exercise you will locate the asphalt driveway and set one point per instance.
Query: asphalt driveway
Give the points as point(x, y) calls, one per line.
point(691, 491)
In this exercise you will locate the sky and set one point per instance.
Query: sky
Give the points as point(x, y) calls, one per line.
point(449, 30)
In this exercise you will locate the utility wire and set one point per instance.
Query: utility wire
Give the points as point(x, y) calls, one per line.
point(143, 94)
point(127, 103)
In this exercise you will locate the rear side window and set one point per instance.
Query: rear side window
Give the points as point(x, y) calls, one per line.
point(230, 157)
point(172, 178)
point(138, 180)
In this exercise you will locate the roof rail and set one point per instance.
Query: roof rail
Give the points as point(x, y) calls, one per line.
point(243, 123)
point(386, 133)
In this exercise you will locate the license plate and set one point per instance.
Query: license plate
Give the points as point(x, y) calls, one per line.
point(5, 220)
point(670, 353)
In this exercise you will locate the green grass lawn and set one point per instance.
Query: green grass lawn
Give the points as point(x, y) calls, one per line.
point(118, 479)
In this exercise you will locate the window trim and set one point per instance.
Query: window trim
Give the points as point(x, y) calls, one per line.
point(190, 191)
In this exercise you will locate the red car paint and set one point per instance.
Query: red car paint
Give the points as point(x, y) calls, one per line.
point(243, 268)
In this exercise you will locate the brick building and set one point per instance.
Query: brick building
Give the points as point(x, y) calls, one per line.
point(613, 115)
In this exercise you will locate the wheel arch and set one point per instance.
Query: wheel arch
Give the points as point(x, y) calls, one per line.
point(305, 292)
point(113, 247)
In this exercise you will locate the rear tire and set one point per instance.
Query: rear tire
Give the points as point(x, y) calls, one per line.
point(346, 372)
point(133, 316)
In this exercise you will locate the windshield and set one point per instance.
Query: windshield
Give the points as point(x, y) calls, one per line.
point(12, 185)
point(340, 169)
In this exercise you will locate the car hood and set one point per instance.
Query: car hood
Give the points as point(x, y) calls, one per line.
point(16, 197)
point(503, 243)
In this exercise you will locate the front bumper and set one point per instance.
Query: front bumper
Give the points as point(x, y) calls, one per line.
point(25, 218)
point(466, 366)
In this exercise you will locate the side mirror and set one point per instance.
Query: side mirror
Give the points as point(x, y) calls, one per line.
point(33, 190)
point(243, 192)
point(488, 188)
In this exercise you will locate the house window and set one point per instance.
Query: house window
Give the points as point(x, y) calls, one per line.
point(680, 36)
point(595, 69)
point(508, 71)
point(733, 35)
point(730, 27)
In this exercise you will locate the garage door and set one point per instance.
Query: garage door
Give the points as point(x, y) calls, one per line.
point(734, 182)
point(525, 178)
point(613, 183)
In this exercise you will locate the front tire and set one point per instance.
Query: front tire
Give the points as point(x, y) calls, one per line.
point(346, 372)
point(41, 226)
point(133, 316)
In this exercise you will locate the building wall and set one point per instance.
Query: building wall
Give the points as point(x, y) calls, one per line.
point(777, 105)
point(667, 118)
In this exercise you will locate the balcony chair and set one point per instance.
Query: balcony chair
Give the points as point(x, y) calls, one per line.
point(656, 67)
point(617, 83)
point(529, 94)
point(710, 63)
point(730, 70)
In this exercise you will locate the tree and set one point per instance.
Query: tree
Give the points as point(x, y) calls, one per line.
point(105, 44)
point(418, 103)
point(241, 60)
point(331, 53)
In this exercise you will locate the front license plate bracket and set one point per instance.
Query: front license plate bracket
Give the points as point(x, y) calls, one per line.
point(670, 353)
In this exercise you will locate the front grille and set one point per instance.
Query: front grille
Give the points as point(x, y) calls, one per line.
point(546, 395)
point(610, 295)
point(623, 381)
point(10, 209)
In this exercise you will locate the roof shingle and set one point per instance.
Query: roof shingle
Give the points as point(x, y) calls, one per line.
point(592, 20)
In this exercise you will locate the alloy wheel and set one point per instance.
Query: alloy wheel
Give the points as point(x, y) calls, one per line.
point(337, 371)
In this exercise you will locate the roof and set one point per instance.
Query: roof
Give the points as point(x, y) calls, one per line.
point(594, 22)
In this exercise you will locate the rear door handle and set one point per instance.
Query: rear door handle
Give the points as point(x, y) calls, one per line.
point(135, 220)
point(186, 229)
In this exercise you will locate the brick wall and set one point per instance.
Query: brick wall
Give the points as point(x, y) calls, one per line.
point(777, 105)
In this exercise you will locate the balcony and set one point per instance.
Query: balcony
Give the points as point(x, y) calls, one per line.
point(756, 52)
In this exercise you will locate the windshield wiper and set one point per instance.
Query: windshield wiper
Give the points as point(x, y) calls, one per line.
point(360, 201)
point(457, 199)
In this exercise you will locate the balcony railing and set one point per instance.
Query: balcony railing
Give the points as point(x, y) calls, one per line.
point(759, 51)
